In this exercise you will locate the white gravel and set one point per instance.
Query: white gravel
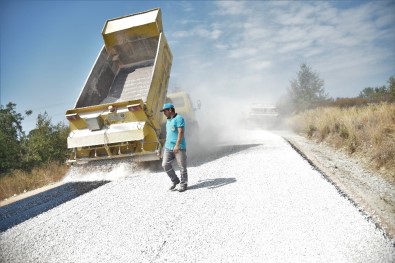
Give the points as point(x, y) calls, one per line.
point(258, 202)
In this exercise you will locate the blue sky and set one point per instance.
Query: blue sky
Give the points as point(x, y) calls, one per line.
point(226, 53)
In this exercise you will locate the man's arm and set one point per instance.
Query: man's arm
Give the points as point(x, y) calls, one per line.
point(179, 138)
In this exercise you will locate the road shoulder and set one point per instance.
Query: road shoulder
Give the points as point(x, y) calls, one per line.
point(374, 196)
point(15, 198)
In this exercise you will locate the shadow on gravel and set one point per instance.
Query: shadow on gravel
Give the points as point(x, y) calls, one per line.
point(199, 156)
point(20, 211)
point(212, 183)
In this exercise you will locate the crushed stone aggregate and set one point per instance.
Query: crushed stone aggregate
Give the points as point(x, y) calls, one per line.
point(258, 201)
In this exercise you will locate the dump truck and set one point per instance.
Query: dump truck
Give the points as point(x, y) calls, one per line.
point(117, 113)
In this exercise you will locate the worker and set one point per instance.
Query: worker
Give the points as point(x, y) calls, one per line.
point(175, 148)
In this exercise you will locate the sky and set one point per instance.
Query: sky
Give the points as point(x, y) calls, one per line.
point(225, 53)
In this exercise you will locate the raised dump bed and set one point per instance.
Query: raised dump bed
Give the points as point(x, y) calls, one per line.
point(117, 113)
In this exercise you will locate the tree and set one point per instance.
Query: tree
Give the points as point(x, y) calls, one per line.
point(307, 90)
point(45, 143)
point(376, 94)
point(379, 94)
point(11, 134)
point(367, 93)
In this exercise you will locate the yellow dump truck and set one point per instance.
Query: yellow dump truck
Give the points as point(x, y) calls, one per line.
point(117, 113)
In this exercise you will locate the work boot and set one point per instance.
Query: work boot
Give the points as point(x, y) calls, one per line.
point(182, 188)
point(173, 185)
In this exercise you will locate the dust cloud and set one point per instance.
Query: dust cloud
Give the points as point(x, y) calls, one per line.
point(223, 119)
point(109, 170)
point(222, 122)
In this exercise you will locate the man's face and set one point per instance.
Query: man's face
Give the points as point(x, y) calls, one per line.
point(167, 113)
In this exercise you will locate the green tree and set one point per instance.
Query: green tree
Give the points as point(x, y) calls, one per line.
point(367, 93)
point(45, 143)
point(379, 94)
point(307, 90)
point(11, 134)
point(376, 94)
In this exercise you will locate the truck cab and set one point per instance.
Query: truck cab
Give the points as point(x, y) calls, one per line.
point(184, 106)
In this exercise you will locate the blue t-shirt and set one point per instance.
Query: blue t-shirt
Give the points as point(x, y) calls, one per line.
point(172, 126)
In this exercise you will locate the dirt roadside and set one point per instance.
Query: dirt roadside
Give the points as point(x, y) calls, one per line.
point(370, 193)
point(29, 193)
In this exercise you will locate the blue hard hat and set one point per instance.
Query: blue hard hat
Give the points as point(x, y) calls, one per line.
point(167, 106)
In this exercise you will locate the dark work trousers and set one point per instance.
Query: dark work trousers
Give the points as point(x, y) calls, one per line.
point(181, 157)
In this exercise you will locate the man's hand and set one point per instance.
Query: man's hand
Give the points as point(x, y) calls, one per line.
point(176, 149)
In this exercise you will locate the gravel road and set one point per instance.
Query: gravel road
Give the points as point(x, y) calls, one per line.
point(258, 201)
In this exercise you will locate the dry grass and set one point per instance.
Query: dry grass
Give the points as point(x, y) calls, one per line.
point(20, 181)
point(366, 132)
